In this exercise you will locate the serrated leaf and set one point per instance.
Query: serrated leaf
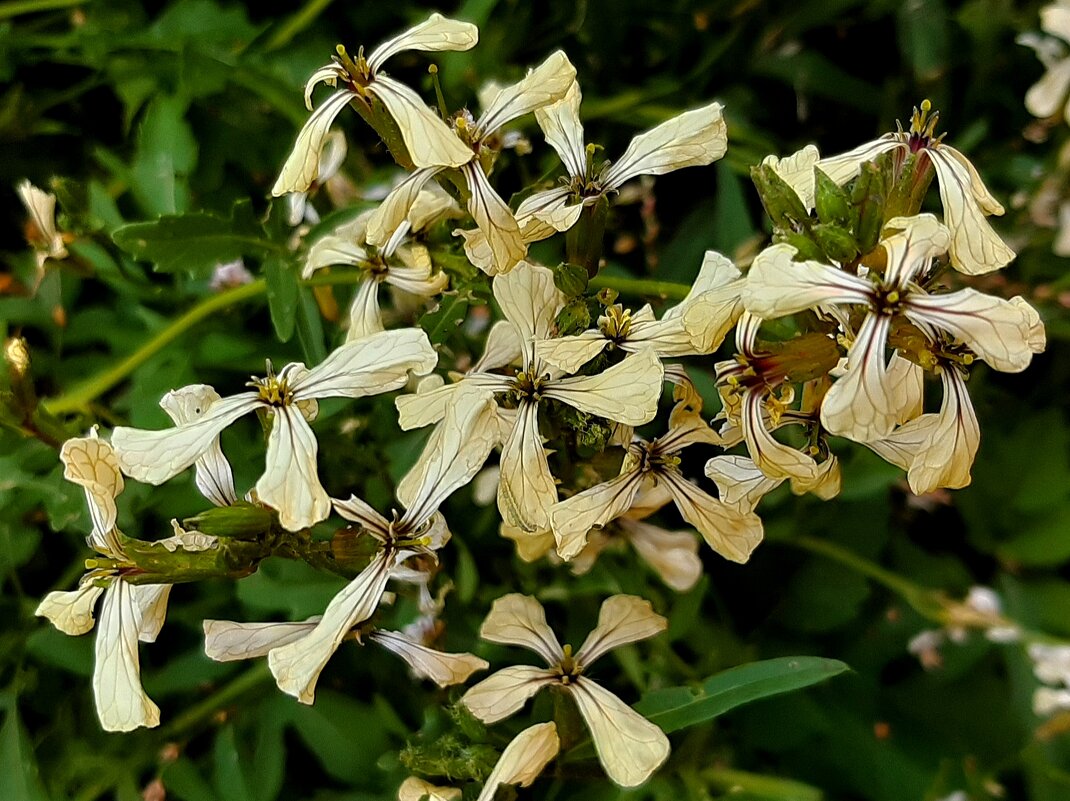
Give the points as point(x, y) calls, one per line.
point(191, 243)
point(676, 708)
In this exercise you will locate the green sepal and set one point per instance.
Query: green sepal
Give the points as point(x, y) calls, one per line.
point(241, 521)
point(573, 318)
point(781, 202)
point(571, 279)
point(837, 243)
point(831, 200)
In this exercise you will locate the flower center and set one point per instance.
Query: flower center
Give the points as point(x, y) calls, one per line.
point(922, 133)
point(526, 385)
point(887, 299)
point(615, 323)
point(273, 390)
point(568, 669)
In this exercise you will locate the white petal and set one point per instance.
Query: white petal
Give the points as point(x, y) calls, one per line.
point(502, 348)
point(365, 318)
point(777, 286)
point(361, 512)
point(42, 208)
point(543, 85)
point(975, 247)
point(290, 483)
point(692, 139)
point(516, 619)
point(1046, 97)
point(844, 167)
point(227, 641)
point(713, 305)
point(672, 554)
point(629, 746)
point(435, 34)
point(155, 456)
point(627, 392)
point(416, 789)
point(215, 479)
point(530, 301)
point(297, 665)
point(739, 481)
point(560, 123)
point(773, 458)
point(91, 463)
point(427, 663)
point(302, 166)
point(797, 171)
point(732, 533)
point(622, 619)
point(1037, 338)
point(428, 138)
point(151, 601)
point(526, 756)
point(502, 694)
point(493, 217)
point(954, 438)
point(543, 214)
point(429, 406)
point(395, 208)
point(526, 488)
point(340, 247)
point(999, 331)
point(122, 704)
point(861, 405)
point(572, 352)
point(454, 452)
point(906, 382)
point(71, 612)
point(378, 363)
point(911, 250)
point(573, 517)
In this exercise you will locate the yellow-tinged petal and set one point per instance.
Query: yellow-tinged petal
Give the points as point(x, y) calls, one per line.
point(504, 693)
point(530, 301)
point(493, 217)
point(122, 704)
point(365, 317)
point(1047, 96)
point(395, 208)
point(692, 139)
point(629, 746)
point(435, 34)
point(516, 619)
point(297, 665)
point(954, 438)
point(71, 612)
point(530, 545)
point(151, 602)
point(427, 663)
point(370, 366)
point(227, 641)
point(570, 353)
point(740, 483)
point(777, 286)
point(526, 488)
point(797, 171)
point(302, 166)
point(1037, 337)
point(627, 392)
point(673, 555)
point(732, 533)
point(215, 479)
point(861, 405)
point(526, 756)
point(560, 123)
point(844, 167)
point(543, 85)
point(975, 247)
point(290, 483)
point(573, 517)
point(416, 789)
point(91, 463)
point(427, 137)
point(622, 619)
point(910, 250)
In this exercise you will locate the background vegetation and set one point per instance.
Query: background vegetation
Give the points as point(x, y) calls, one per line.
point(131, 110)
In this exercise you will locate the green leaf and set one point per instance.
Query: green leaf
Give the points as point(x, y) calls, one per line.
point(344, 734)
point(191, 243)
point(676, 708)
point(283, 296)
point(166, 155)
point(229, 777)
point(19, 778)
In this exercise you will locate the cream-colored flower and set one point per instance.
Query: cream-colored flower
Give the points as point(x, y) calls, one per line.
point(974, 248)
point(731, 533)
point(290, 483)
point(1048, 96)
point(627, 393)
point(862, 404)
point(215, 479)
point(797, 171)
point(44, 235)
point(453, 454)
point(694, 327)
point(543, 85)
point(401, 262)
point(426, 136)
point(692, 139)
point(128, 613)
point(756, 395)
point(332, 156)
point(629, 746)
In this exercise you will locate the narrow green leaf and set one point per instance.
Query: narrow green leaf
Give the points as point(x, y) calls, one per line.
point(19, 778)
point(676, 708)
point(283, 296)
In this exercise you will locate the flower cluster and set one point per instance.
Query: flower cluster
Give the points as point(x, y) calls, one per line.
point(853, 279)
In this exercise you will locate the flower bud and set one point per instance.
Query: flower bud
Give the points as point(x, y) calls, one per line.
point(242, 521)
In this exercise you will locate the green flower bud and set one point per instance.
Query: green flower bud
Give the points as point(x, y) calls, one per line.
point(242, 521)
point(837, 243)
point(832, 201)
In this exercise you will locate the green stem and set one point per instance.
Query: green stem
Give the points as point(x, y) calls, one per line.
point(641, 287)
point(924, 601)
point(14, 8)
point(296, 23)
point(193, 717)
point(79, 397)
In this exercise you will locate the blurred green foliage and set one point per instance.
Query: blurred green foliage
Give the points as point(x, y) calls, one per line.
point(130, 111)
